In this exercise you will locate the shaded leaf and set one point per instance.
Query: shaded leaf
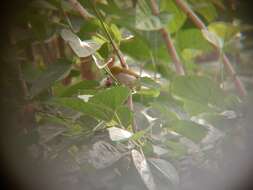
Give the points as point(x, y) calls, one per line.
point(52, 74)
point(103, 155)
point(76, 88)
point(166, 169)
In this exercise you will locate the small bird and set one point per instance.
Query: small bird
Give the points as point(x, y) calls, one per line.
point(124, 76)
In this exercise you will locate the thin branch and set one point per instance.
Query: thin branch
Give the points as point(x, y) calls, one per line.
point(200, 24)
point(169, 43)
point(82, 11)
point(116, 49)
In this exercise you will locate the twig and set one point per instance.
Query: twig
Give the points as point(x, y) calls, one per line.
point(169, 43)
point(82, 11)
point(200, 24)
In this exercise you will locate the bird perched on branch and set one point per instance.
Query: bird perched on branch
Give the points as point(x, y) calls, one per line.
point(124, 76)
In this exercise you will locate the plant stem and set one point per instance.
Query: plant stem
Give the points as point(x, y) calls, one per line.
point(200, 24)
point(82, 11)
point(116, 49)
point(169, 43)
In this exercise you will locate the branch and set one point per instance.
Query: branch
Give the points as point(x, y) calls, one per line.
point(169, 43)
point(79, 8)
point(200, 24)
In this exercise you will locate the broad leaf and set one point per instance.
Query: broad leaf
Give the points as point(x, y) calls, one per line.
point(76, 88)
point(166, 169)
point(226, 31)
point(81, 48)
point(178, 16)
point(189, 129)
point(118, 134)
point(103, 155)
point(124, 115)
point(94, 110)
point(192, 39)
point(52, 74)
point(143, 169)
point(205, 8)
point(111, 98)
point(197, 89)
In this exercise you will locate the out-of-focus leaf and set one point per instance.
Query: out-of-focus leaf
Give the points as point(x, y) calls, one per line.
point(53, 73)
point(143, 169)
point(118, 134)
point(213, 38)
point(103, 155)
point(177, 149)
point(166, 169)
point(189, 129)
point(197, 89)
point(226, 31)
point(75, 88)
point(145, 20)
point(178, 16)
point(192, 39)
point(43, 4)
point(94, 110)
point(124, 115)
point(204, 8)
point(49, 132)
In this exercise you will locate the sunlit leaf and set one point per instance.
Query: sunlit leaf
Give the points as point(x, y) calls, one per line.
point(81, 48)
point(143, 169)
point(226, 31)
point(118, 134)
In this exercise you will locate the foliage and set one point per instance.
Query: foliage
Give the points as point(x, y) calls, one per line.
point(165, 105)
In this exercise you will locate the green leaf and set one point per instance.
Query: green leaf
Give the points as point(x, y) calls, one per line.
point(145, 20)
point(177, 149)
point(197, 89)
point(91, 109)
point(140, 50)
point(205, 8)
point(189, 129)
point(76, 88)
point(124, 115)
point(52, 74)
point(192, 39)
point(178, 16)
point(165, 112)
point(226, 31)
point(111, 98)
